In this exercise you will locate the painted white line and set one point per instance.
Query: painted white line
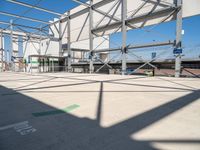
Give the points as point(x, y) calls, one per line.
point(25, 128)
point(22, 127)
point(13, 125)
point(27, 131)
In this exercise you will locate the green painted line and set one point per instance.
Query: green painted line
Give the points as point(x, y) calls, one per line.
point(34, 62)
point(55, 112)
point(37, 62)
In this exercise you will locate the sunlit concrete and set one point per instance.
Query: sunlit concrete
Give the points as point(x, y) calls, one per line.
point(115, 112)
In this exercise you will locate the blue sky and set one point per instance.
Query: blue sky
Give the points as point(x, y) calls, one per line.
point(161, 32)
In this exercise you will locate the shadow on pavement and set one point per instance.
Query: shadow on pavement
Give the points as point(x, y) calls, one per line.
point(65, 131)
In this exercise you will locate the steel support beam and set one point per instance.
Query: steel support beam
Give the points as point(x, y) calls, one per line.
point(131, 47)
point(82, 3)
point(2, 51)
point(108, 50)
point(79, 50)
point(178, 38)
point(105, 14)
point(40, 42)
point(159, 13)
point(162, 4)
point(60, 39)
point(22, 17)
point(34, 7)
point(124, 35)
point(20, 25)
point(6, 58)
point(155, 44)
point(83, 11)
point(91, 37)
point(11, 45)
point(31, 35)
point(69, 67)
point(40, 48)
point(86, 10)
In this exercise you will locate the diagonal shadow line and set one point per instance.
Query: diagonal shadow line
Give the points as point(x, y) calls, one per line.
point(48, 87)
point(99, 106)
point(73, 77)
point(148, 118)
point(195, 75)
point(103, 80)
point(144, 85)
point(34, 83)
point(103, 91)
point(55, 86)
point(125, 79)
point(177, 83)
point(70, 77)
point(67, 77)
point(20, 79)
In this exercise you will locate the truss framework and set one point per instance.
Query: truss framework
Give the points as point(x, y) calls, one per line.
point(115, 23)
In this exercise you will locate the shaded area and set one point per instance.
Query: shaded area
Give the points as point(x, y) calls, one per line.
point(66, 131)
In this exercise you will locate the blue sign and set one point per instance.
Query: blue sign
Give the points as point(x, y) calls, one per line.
point(153, 55)
point(178, 51)
point(12, 58)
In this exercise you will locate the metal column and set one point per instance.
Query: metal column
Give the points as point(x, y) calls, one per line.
point(69, 69)
point(91, 37)
point(60, 44)
point(53, 64)
point(124, 35)
point(60, 39)
point(11, 45)
point(40, 48)
point(31, 65)
point(178, 38)
point(2, 64)
point(6, 59)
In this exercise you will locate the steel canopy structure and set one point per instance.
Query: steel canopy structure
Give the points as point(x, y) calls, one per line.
point(102, 18)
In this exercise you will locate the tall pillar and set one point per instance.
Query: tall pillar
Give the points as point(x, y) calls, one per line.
point(31, 65)
point(178, 38)
point(91, 37)
point(2, 64)
point(124, 35)
point(40, 48)
point(60, 39)
point(40, 44)
point(11, 45)
point(6, 59)
point(69, 43)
